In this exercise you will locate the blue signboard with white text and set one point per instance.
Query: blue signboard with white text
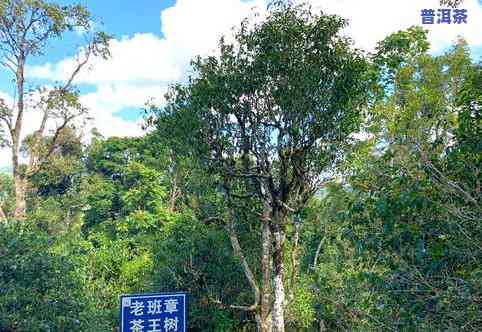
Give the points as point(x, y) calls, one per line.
point(161, 312)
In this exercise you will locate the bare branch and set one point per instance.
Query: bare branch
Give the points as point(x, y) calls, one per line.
point(449, 184)
point(10, 41)
point(252, 307)
point(37, 140)
point(77, 69)
point(287, 207)
point(59, 129)
point(9, 64)
point(239, 254)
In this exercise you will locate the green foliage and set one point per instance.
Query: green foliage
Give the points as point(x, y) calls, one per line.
point(301, 314)
point(197, 258)
point(410, 221)
point(52, 300)
point(429, 277)
point(7, 196)
point(61, 169)
point(401, 47)
point(291, 87)
point(145, 189)
point(51, 21)
point(124, 180)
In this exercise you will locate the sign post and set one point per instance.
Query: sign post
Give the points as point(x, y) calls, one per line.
point(156, 312)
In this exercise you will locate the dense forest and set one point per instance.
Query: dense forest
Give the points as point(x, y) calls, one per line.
point(293, 183)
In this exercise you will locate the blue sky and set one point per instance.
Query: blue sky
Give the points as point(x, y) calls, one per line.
point(154, 41)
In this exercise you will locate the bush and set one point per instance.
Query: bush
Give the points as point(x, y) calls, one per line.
point(40, 289)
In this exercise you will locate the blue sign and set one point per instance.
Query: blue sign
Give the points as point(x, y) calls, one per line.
point(444, 16)
point(163, 312)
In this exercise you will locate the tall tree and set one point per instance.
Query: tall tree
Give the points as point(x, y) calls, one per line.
point(269, 116)
point(26, 26)
point(414, 215)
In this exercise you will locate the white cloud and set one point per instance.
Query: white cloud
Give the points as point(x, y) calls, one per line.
point(371, 21)
point(118, 96)
point(141, 59)
point(7, 99)
point(189, 28)
point(108, 100)
point(194, 27)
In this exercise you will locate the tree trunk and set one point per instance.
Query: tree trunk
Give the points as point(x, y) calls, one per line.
point(294, 261)
point(174, 193)
point(263, 325)
point(266, 268)
point(20, 204)
point(18, 179)
point(323, 326)
point(278, 279)
point(318, 251)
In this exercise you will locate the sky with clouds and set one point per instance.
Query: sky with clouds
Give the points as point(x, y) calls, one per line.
point(155, 40)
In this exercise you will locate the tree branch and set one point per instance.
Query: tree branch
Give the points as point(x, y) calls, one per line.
point(76, 71)
point(252, 307)
point(239, 254)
